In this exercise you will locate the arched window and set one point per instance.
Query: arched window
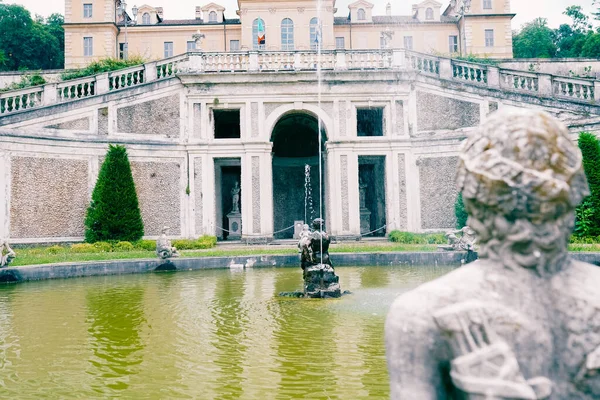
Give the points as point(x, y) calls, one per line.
point(361, 15)
point(287, 34)
point(146, 19)
point(212, 16)
point(429, 14)
point(258, 34)
point(314, 33)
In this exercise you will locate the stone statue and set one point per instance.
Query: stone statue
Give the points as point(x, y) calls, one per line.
point(6, 253)
point(523, 322)
point(164, 249)
point(198, 36)
point(235, 198)
point(320, 279)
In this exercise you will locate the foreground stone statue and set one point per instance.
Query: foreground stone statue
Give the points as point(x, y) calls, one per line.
point(164, 250)
point(320, 280)
point(523, 322)
point(6, 253)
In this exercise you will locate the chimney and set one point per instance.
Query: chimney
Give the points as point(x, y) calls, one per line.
point(388, 9)
point(198, 12)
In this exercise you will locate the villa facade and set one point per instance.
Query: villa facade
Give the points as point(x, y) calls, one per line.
point(95, 29)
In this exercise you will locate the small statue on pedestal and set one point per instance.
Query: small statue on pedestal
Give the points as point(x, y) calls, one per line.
point(522, 322)
point(235, 216)
point(6, 253)
point(164, 250)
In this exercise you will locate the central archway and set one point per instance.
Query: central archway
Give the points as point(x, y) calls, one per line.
point(296, 180)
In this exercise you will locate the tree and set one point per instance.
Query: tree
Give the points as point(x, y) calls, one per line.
point(535, 40)
point(460, 212)
point(591, 46)
point(590, 209)
point(114, 212)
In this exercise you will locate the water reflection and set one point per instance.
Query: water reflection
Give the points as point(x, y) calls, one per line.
point(207, 334)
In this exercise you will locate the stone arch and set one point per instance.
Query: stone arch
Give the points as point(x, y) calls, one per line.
point(312, 110)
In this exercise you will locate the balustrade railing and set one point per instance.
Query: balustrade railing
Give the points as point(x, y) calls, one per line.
point(21, 99)
point(469, 73)
point(76, 89)
point(576, 89)
point(126, 77)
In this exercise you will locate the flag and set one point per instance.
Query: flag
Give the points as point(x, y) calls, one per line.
point(261, 39)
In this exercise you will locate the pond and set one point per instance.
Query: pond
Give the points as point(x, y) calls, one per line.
point(215, 334)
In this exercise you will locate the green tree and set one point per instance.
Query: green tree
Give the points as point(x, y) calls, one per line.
point(591, 46)
point(114, 212)
point(589, 212)
point(460, 212)
point(535, 40)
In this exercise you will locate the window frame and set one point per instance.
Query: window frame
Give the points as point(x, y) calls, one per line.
point(312, 31)
point(146, 18)
point(429, 14)
point(453, 44)
point(408, 39)
point(287, 34)
point(88, 7)
point(231, 41)
point(88, 46)
point(255, 44)
point(487, 4)
point(213, 17)
point(192, 48)
point(171, 49)
point(361, 14)
point(343, 43)
point(489, 41)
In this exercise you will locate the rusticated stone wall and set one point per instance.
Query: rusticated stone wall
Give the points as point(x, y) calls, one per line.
point(158, 188)
point(438, 112)
point(153, 117)
point(198, 194)
point(81, 124)
point(438, 192)
point(49, 197)
point(402, 203)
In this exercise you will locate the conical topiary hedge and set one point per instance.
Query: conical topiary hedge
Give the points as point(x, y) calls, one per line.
point(114, 212)
point(590, 208)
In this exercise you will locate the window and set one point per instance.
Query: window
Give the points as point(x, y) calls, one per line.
point(234, 45)
point(287, 34)
point(487, 4)
point(361, 15)
point(146, 19)
point(191, 45)
point(227, 124)
point(340, 43)
point(369, 121)
point(259, 40)
point(453, 44)
point(87, 11)
point(489, 38)
point(212, 16)
point(382, 43)
point(122, 51)
point(408, 42)
point(88, 46)
point(429, 14)
point(168, 49)
point(315, 34)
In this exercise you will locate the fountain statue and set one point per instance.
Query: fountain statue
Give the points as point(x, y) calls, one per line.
point(164, 250)
point(235, 216)
point(465, 242)
point(523, 322)
point(6, 253)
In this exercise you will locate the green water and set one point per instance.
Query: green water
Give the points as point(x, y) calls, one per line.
point(216, 334)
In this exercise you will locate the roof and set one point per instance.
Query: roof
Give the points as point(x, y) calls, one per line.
point(233, 21)
point(394, 19)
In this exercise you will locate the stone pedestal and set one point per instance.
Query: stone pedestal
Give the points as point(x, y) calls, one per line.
point(235, 226)
point(320, 281)
point(365, 220)
point(298, 226)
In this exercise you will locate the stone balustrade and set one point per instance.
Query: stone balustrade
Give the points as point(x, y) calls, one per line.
point(469, 73)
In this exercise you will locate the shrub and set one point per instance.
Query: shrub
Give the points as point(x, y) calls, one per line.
point(103, 247)
point(185, 244)
point(417, 238)
point(149, 245)
point(460, 212)
point(588, 213)
point(203, 242)
point(28, 80)
point(83, 248)
point(123, 246)
point(55, 249)
point(114, 212)
point(207, 241)
point(104, 65)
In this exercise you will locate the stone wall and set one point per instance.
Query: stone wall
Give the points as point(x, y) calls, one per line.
point(82, 124)
point(438, 192)
point(49, 197)
point(402, 203)
point(198, 194)
point(158, 188)
point(153, 117)
point(438, 112)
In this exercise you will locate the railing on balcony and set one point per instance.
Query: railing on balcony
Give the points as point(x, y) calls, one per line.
point(446, 69)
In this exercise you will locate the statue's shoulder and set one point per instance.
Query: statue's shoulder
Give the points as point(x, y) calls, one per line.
point(581, 280)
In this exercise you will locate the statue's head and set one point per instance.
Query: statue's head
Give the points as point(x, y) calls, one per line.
point(318, 224)
point(305, 227)
point(521, 178)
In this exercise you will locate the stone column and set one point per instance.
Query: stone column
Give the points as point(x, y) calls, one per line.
point(493, 77)
point(412, 112)
point(413, 188)
point(266, 191)
point(597, 91)
point(340, 60)
point(253, 61)
point(208, 199)
point(4, 194)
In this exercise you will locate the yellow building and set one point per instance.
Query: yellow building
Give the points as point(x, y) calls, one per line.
point(96, 29)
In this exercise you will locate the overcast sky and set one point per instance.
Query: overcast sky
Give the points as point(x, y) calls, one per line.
point(526, 10)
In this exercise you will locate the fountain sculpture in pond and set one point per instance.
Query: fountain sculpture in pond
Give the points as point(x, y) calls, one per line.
point(523, 322)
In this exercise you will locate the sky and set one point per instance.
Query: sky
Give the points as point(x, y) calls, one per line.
point(526, 10)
